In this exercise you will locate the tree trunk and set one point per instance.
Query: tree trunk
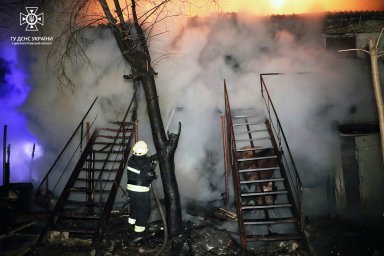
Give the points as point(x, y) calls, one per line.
point(133, 46)
point(377, 89)
point(166, 151)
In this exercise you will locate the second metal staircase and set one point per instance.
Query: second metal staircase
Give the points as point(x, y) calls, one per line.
point(267, 192)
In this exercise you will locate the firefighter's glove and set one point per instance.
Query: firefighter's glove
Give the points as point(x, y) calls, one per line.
point(152, 175)
point(154, 164)
point(153, 158)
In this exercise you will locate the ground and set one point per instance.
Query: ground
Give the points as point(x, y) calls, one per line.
point(202, 235)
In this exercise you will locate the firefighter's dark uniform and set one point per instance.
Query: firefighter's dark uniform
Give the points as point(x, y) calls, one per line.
point(140, 176)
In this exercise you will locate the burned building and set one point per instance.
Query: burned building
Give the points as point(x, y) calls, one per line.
point(359, 165)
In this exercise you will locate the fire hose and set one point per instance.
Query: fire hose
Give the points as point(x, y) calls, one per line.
point(163, 219)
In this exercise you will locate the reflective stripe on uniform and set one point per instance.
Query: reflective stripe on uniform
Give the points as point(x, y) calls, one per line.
point(137, 188)
point(139, 228)
point(131, 221)
point(133, 170)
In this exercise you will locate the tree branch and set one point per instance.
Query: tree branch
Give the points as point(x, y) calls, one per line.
point(107, 12)
point(378, 40)
point(140, 32)
point(173, 141)
point(350, 50)
point(119, 12)
point(152, 11)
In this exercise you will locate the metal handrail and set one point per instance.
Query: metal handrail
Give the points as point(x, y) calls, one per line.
point(230, 142)
point(74, 152)
point(45, 179)
point(282, 142)
point(107, 212)
point(121, 129)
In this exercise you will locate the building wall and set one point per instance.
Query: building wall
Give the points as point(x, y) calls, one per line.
point(358, 170)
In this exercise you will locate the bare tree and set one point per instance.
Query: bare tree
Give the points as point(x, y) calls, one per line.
point(132, 41)
point(132, 31)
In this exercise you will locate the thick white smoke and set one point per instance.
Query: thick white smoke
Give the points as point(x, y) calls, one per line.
point(202, 53)
point(238, 48)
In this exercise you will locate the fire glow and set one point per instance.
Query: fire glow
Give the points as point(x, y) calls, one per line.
point(268, 7)
point(203, 8)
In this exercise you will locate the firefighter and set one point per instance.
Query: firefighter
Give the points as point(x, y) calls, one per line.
point(141, 173)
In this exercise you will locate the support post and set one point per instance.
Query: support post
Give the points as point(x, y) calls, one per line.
point(5, 157)
point(7, 168)
point(377, 88)
point(223, 128)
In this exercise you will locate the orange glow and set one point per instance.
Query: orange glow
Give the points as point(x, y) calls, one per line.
point(256, 7)
point(268, 7)
point(277, 4)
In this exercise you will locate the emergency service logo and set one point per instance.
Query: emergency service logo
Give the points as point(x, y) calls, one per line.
point(31, 18)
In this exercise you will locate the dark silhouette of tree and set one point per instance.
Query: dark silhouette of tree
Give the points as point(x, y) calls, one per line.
point(131, 31)
point(133, 44)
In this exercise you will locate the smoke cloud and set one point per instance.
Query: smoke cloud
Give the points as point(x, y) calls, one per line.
point(201, 54)
point(238, 48)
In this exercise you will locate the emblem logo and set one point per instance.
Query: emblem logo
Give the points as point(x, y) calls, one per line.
point(31, 18)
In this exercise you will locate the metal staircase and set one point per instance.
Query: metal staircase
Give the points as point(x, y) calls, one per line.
point(86, 201)
point(267, 188)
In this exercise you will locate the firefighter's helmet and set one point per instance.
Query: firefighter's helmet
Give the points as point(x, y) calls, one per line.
point(140, 148)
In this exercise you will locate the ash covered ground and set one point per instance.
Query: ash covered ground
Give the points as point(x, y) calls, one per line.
point(204, 234)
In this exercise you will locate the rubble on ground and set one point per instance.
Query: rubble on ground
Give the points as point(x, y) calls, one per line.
point(206, 232)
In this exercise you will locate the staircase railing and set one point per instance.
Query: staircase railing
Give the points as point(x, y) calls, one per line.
point(111, 197)
point(121, 133)
point(230, 153)
point(71, 153)
point(68, 155)
point(283, 147)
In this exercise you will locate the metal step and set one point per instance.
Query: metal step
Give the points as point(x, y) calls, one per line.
point(98, 170)
point(256, 158)
point(79, 216)
point(124, 123)
point(244, 116)
point(252, 149)
point(112, 137)
point(108, 143)
point(273, 237)
point(269, 222)
point(243, 124)
point(109, 151)
point(104, 160)
point(94, 180)
point(252, 131)
point(83, 203)
point(259, 169)
point(82, 189)
point(266, 193)
point(115, 130)
point(267, 206)
point(255, 139)
point(260, 181)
